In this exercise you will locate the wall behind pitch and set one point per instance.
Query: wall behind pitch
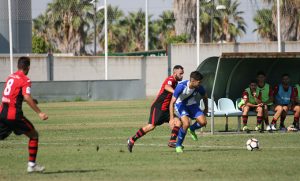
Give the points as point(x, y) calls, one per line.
point(87, 90)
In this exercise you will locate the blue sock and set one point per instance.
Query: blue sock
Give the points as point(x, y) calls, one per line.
point(195, 126)
point(181, 136)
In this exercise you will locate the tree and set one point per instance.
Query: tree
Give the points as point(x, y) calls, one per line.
point(65, 25)
point(265, 26)
point(230, 23)
point(290, 18)
point(185, 15)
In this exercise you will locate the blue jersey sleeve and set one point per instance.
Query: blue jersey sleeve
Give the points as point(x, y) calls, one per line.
point(178, 90)
point(201, 91)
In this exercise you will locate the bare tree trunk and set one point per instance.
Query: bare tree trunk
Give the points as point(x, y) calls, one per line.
point(186, 18)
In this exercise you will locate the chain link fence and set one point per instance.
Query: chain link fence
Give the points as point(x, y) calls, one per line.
point(77, 26)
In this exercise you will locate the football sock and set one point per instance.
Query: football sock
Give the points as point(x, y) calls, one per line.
point(174, 133)
point(259, 119)
point(138, 134)
point(245, 119)
point(274, 120)
point(282, 118)
point(195, 126)
point(267, 121)
point(32, 149)
point(181, 136)
point(296, 120)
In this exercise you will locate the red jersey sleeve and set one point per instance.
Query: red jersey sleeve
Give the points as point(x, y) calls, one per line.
point(26, 87)
point(275, 91)
point(271, 93)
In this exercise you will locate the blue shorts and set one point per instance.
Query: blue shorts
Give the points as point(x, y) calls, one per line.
point(192, 111)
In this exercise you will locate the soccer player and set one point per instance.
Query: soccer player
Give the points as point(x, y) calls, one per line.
point(16, 89)
point(267, 96)
point(186, 106)
point(159, 112)
point(251, 101)
point(283, 94)
point(296, 107)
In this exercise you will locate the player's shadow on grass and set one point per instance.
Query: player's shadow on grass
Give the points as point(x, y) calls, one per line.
point(73, 171)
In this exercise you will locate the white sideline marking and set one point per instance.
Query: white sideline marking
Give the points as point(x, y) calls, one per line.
point(155, 145)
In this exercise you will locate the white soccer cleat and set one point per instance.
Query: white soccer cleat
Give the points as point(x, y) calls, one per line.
point(35, 168)
point(268, 128)
point(273, 127)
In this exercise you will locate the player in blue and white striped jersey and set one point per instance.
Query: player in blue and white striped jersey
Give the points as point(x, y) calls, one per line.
point(186, 107)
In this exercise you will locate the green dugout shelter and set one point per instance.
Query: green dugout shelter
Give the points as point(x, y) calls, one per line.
point(237, 69)
point(228, 75)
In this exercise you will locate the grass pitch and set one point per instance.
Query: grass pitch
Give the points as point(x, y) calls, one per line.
point(87, 141)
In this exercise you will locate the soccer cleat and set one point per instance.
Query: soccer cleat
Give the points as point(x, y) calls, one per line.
point(273, 128)
point(282, 127)
point(179, 149)
point(245, 128)
point(130, 144)
point(35, 168)
point(258, 127)
point(193, 134)
point(268, 128)
point(172, 144)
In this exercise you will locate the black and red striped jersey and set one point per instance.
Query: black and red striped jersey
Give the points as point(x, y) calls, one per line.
point(17, 85)
point(163, 98)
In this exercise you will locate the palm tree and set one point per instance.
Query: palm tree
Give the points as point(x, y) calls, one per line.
point(185, 15)
point(164, 27)
point(265, 26)
point(65, 25)
point(290, 18)
point(230, 24)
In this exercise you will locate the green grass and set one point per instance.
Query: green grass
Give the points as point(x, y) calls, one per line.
point(69, 141)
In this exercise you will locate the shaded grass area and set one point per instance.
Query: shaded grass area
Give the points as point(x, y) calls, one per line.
point(87, 141)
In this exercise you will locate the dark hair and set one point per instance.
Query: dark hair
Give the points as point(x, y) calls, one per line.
point(260, 73)
point(253, 81)
point(196, 75)
point(285, 75)
point(23, 63)
point(177, 67)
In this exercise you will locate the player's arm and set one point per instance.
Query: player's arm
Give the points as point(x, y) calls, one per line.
point(171, 108)
point(205, 100)
point(169, 88)
point(34, 107)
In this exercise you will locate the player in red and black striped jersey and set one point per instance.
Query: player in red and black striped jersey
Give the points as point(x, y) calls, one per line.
point(16, 89)
point(159, 113)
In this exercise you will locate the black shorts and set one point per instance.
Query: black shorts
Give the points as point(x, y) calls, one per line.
point(19, 126)
point(158, 116)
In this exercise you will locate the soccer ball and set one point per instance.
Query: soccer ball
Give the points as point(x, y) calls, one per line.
point(252, 144)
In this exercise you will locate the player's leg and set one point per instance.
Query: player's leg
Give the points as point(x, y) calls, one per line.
point(182, 132)
point(24, 126)
point(155, 114)
point(175, 125)
point(259, 118)
point(282, 117)
point(296, 116)
point(266, 117)
point(196, 113)
point(5, 131)
point(278, 111)
point(245, 110)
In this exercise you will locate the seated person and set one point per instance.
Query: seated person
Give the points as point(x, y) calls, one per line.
point(283, 94)
point(296, 106)
point(251, 101)
point(267, 95)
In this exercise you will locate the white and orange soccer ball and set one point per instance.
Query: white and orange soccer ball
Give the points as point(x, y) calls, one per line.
point(252, 144)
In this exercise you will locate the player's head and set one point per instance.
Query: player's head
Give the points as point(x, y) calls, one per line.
point(260, 77)
point(285, 79)
point(24, 64)
point(253, 84)
point(178, 72)
point(195, 79)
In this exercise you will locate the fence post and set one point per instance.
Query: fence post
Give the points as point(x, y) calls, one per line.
point(50, 59)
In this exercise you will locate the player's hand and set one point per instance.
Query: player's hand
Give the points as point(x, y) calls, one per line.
point(43, 116)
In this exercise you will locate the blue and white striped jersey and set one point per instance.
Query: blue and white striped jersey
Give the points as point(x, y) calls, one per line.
point(185, 95)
